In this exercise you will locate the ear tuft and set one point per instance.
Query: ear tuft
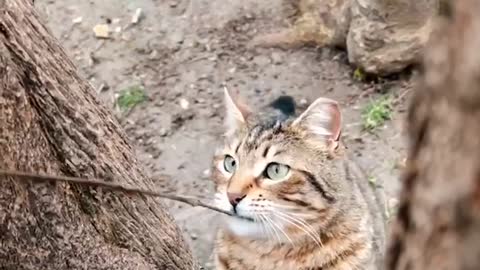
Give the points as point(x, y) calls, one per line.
point(236, 113)
point(322, 119)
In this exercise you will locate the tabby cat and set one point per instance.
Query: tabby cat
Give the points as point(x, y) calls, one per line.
point(298, 202)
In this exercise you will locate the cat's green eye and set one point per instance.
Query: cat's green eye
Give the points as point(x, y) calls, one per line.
point(276, 171)
point(229, 164)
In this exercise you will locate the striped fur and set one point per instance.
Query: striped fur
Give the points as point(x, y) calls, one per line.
point(315, 218)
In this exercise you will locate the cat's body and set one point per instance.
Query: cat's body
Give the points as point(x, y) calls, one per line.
point(300, 203)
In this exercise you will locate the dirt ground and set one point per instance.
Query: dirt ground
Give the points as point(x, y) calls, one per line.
point(182, 51)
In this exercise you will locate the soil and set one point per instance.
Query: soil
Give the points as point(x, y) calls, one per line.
point(183, 51)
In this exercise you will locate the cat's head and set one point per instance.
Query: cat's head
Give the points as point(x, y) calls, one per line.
point(277, 175)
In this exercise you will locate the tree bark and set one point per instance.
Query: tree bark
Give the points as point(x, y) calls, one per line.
point(51, 122)
point(438, 223)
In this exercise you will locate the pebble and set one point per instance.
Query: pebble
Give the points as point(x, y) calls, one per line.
point(163, 132)
point(261, 60)
point(303, 101)
point(177, 37)
point(393, 204)
point(184, 104)
point(137, 16)
point(101, 31)
point(277, 58)
point(77, 20)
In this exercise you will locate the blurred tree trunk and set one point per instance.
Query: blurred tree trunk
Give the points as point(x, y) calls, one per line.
point(51, 122)
point(438, 223)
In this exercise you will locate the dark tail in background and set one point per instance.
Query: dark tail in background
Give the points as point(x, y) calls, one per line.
point(285, 105)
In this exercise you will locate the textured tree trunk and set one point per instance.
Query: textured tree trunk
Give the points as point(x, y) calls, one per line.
point(438, 223)
point(51, 122)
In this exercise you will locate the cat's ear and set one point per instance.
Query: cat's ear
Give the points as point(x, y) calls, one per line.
point(236, 113)
point(323, 120)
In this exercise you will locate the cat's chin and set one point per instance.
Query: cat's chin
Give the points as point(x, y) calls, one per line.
point(245, 227)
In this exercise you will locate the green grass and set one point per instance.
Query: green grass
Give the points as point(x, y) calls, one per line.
point(373, 181)
point(130, 97)
point(359, 75)
point(376, 113)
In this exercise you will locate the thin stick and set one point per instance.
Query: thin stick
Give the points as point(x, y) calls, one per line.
point(112, 186)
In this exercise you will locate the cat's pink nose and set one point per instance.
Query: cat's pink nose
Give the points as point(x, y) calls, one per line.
point(235, 198)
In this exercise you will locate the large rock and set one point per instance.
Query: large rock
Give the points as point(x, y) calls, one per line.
point(321, 23)
point(385, 36)
point(380, 36)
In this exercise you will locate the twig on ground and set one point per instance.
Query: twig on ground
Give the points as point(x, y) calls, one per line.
point(109, 185)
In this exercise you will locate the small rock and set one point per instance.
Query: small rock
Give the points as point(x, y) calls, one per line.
point(277, 58)
point(137, 16)
point(393, 204)
point(163, 132)
point(337, 57)
point(359, 140)
point(153, 54)
point(401, 164)
point(261, 60)
point(184, 104)
point(101, 31)
point(118, 29)
point(303, 101)
point(77, 20)
point(193, 236)
point(206, 173)
point(177, 37)
point(103, 87)
point(213, 114)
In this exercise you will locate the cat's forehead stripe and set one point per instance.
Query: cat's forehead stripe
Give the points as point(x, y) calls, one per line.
point(239, 143)
point(265, 151)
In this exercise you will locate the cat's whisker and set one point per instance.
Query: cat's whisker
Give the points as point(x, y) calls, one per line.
point(302, 228)
point(307, 229)
point(296, 216)
point(307, 226)
point(267, 226)
point(299, 220)
point(258, 218)
point(273, 228)
point(281, 230)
